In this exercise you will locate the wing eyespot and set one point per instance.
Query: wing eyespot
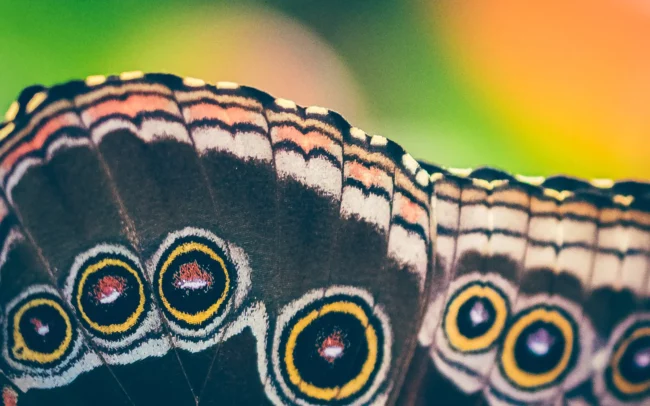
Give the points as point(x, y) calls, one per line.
point(108, 292)
point(193, 268)
point(42, 331)
point(107, 289)
point(41, 345)
point(475, 317)
point(198, 279)
point(628, 372)
point(540, 347)
point(331, 349)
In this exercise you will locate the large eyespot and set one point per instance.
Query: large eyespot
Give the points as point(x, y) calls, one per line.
point(197, 278)
point(539, 348)
point(331, 348)
point(107, 289)
point(475, 317)
point(194, 280)
point(628, 373)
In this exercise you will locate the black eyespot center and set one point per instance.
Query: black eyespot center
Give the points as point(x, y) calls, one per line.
point(635, 362)
point(110, 295)
point(540, 347)
point(194, 281)
point(328, 351)
point(475, 317)
point(628, 375)
point(332, 349)
point(43, 328)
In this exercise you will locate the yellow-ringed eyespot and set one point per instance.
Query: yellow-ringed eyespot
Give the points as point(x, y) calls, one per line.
point(331, 349)
point(41, 332)
point(106, 287)
point(41, 344)
point(475, 317)
point(628, 372)
point(200, 281)
point(194, 279)
point(540, 347)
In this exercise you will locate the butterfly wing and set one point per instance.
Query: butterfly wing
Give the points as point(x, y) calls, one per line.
point(208, 245)
point(533, 283)
point(165, 240)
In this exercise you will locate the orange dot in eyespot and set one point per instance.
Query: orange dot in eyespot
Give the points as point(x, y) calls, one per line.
point(9, 397)
point(191, 276)
point(39, 327)
point(333, 347)
point(109, 289)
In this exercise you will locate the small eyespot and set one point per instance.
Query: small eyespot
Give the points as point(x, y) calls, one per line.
point(41, 346)
point(41, 331)
point(331, 348)
point(108, 291)
point(475, 317)
point(628, 372)
point(198, 279)
point(540, 347)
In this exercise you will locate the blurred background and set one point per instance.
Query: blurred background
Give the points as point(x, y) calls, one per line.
point(531, 87)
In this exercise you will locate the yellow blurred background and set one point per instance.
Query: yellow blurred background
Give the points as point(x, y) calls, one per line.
point(530, 87)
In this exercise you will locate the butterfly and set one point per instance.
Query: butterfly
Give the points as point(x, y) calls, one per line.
point(164, 241)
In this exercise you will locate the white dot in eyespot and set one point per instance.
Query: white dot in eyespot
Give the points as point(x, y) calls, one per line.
point(642, 358)
point(108, 289)
point(478, 314)
point(540, 342)
point(192, 277)
point(332, 347)
point(333, 352)
point(41, 328)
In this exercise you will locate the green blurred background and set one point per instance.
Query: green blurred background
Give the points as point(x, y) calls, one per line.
point(530, 87)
